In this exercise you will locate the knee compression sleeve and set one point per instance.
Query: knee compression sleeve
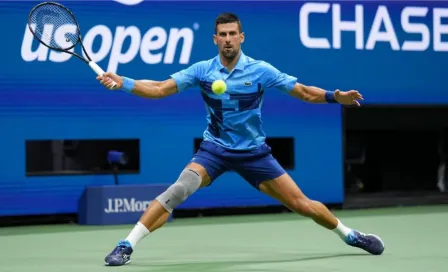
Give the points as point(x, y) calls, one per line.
point(187, 183)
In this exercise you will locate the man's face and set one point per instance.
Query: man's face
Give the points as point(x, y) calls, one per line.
point(229, 39)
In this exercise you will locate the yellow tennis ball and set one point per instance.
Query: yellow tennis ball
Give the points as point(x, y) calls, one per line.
point(219, 87)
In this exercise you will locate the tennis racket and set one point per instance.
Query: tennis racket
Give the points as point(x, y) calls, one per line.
point(55, 26)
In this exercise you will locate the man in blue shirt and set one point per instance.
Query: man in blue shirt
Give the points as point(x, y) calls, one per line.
point(234, 139)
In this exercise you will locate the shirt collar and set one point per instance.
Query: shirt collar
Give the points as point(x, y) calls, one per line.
point(239, 65)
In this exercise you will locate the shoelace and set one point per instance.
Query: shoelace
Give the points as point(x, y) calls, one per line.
point(119, 249)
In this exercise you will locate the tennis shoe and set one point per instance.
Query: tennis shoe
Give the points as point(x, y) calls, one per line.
point(121, 255)
point(369, 242)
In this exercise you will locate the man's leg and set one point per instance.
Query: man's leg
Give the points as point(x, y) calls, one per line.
point(284, 189)
point(192, 178)
point(264, 172)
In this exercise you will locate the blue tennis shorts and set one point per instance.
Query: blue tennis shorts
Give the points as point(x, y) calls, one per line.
point(255, 166)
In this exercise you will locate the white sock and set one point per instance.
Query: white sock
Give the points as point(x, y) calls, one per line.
point(342, 230)
point(138, 232)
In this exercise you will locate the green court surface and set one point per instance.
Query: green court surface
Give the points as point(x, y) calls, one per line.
point(415, 239)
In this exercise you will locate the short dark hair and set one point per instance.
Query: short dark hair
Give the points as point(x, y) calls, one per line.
point(227, 17)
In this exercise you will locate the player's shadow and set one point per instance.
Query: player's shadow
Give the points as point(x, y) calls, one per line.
point(223, 265)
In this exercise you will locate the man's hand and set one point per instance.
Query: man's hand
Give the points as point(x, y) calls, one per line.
point(348, 98)
point(107, 79)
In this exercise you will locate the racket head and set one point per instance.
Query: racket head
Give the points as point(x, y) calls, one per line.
point(45, 14)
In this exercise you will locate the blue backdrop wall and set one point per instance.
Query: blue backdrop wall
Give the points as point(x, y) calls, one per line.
point(392, 52)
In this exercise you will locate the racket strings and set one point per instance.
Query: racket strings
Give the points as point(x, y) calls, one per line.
point(55, 26)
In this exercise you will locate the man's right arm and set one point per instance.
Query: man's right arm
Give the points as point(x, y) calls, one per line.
point(144, 88)
point(178, 82)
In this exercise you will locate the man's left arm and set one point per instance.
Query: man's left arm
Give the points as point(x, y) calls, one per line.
point(288, 84)
point(317, 95)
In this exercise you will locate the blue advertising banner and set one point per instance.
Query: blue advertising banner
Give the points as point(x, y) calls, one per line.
point(393, 52)
point(114, 205)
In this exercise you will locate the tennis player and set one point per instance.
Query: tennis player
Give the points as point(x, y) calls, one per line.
point(234, 139)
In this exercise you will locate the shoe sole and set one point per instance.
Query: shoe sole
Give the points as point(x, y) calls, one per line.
point(107, 264)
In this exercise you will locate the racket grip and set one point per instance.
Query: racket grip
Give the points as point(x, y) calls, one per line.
point(99, 71)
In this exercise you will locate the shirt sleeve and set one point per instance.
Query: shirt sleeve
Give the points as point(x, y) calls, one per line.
point(189, 77)
point(276, 79)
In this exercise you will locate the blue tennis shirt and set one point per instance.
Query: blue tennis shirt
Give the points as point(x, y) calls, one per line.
point(234, 118)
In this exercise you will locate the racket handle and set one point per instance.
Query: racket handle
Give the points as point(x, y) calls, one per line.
point(99, 71)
